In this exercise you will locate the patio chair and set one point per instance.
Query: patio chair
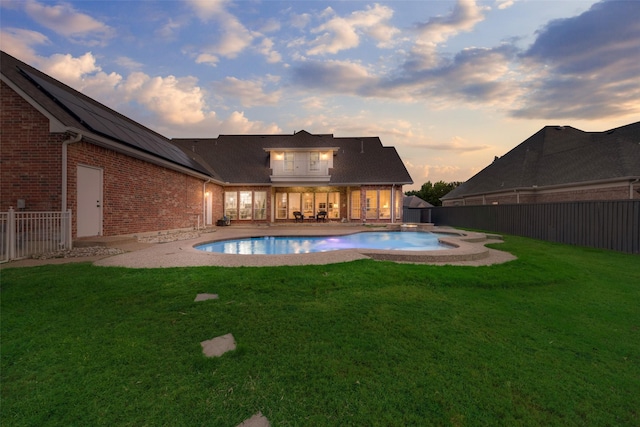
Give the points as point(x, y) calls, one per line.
point(321, 216)
point(298, 217)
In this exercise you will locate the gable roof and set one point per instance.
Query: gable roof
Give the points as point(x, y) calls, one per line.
point(74, 110)
point(560, 155)
point(242, 159)
point(415, 202)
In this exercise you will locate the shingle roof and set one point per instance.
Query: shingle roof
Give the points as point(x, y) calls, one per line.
point(560, 155)
point(415, 202)
point(76, 110)
point(242, 159)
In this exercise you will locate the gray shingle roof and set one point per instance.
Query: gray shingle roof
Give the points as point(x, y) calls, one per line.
point(560, 155)
point(415, 202)
point(242, 159)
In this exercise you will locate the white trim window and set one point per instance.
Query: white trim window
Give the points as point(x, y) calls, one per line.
point(245, 204)
point(371, 204)
point(314, 161)
point(281, 205)
point(355, 204)
point(289, 161)
point(260, 205)
point(231, 204)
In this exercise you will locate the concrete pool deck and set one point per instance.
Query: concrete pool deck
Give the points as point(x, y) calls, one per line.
point(468, 248)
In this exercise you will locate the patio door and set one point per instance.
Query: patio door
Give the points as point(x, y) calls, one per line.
point(89, 198)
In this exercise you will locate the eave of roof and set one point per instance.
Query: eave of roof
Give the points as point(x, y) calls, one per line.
point(535, 188)
point(559, 157)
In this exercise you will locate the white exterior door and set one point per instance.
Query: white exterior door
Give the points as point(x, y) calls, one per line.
point(89, 187)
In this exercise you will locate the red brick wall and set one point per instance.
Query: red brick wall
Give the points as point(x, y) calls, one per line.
point(30, 157)
point(138, 196)
point(612, 193)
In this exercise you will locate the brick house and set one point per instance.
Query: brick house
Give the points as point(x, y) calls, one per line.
point(269, 177)
point(61, 150)
point(559, 164)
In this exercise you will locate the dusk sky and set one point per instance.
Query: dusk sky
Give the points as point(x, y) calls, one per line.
point(450, 84)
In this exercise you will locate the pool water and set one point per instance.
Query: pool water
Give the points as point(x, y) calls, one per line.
point(382, 240)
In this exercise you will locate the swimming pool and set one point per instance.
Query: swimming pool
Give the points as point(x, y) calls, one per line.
point(380, 240)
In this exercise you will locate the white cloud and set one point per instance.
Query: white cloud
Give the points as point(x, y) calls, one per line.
point(249, 93)
point(169, 30)
point(266, 48)
point(69, 69)
point(208, 9)
point(300, 21)
point(234, 38)
point(207, 58)
point(456, 144)
point(65, 20)
point(176, 100)
point(341, 33)
point(178, 104)
point(19, 43)
point(238, 124)
point(463, 17)
point(128, 63)
point(434, 173)
point(504, 4)
point(231, 37)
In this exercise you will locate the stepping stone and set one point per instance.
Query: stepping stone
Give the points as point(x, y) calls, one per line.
point(218, 346)
point(258, 420)
point(204, 297)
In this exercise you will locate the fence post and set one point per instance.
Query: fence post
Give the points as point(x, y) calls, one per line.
point(68, 234)
point(11, 233)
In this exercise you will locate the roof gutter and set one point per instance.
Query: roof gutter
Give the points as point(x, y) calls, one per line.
point(138, 154)
point(631, 185)
point(543, 188)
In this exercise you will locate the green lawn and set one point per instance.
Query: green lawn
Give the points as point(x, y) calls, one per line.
point(550, 339)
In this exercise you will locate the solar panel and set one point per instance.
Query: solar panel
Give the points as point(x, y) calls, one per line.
point(102, 120)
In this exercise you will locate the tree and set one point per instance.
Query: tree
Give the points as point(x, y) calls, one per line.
point(433, 192)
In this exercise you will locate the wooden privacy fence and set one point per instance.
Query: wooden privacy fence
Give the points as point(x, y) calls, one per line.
point(23, 234)
point(611, 225)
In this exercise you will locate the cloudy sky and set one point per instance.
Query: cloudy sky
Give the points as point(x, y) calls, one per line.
point(450, 84)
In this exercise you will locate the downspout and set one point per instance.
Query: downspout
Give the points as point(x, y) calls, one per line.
point(393, 205)
point(204, 203)
point(65, 144)
point(631, 185)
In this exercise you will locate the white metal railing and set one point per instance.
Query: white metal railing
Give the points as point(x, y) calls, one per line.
point(23, 234)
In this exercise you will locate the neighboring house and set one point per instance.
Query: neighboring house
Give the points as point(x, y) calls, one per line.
point(61, 150)
point(557, 164)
